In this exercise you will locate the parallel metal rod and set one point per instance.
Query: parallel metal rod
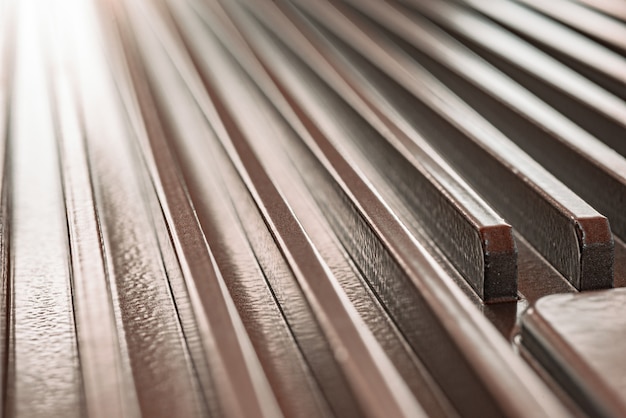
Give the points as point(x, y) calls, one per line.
point(535, 277)
point(283, 207)
point(426, 183)
point(597, 110)
point(593, 24)
point(242, 244)
point(269, 333)
point(97, 337)
point(243, 388)
point(550, 138)
point(587, 261)
point(44, 377)
point(293, 303)
point(269, 140)
point(374, 375)
point(600, 64)
point(138, 283)
point(388, 240)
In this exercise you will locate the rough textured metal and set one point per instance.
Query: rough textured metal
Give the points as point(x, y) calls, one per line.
point(476, 239)
point(473, 144)
point(550, 138)
point(258, 208)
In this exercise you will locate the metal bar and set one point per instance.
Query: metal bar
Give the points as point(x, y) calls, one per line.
point(223, 211)
point(101, 368)
point(473, 144)
point(242, 388)
point(397, 289)
point(597, 110)
point(294, 305)
point(427, 184)
point(44, 377)
point(374, 375)
point(536, 278)
point(283, 208)
point(608, 31)
point(137, 282)
point(605, 67)
point(550, 138)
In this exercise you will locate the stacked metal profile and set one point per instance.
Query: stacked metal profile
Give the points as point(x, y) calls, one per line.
point(261, 208)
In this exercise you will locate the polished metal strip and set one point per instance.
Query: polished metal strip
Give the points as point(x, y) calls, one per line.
point(592, 59)
point(95, 323)
point(375, 239)
point(374, 376)
point(609, 31)
point(305, 327)
point(550, 138)
point(541, 207)
point(148, 330)
point(213, 190)
point(600, 112)
point(477, 240)
point(44, 371)
point(240, 380)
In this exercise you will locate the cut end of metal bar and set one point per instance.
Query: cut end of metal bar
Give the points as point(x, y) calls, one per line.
point(500, 252)
point(597, 253)
point(424, 190)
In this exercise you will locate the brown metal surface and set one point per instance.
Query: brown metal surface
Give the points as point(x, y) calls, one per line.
point(602, 65)
point(42, 343)
point(295, 208)
point(408, 322)
point(595, 109)
point(551, 139)
point(152, 345)
point(584, 355)
point(372, 378)
point(477, 240)
point(243, 389)
point(472, 145)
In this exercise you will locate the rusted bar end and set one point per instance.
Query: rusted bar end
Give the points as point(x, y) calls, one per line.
point(500, 271)
point(597, 253)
